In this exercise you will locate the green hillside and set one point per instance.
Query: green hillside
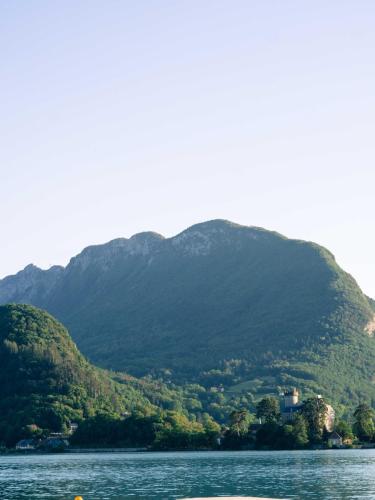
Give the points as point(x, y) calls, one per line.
point(45, 383)
point(217, 304)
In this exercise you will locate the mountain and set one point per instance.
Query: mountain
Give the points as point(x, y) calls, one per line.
point(45, 383)
point(218, 303)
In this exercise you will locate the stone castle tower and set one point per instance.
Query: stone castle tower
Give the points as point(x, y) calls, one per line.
point(291, 398)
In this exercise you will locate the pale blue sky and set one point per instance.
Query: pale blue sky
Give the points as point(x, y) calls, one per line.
point(123, 116)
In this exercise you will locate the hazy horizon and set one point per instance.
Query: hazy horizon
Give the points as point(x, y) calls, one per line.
point(125, 117)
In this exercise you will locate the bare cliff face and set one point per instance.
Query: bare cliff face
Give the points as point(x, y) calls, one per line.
point(202, 239)
point(370, 327)
point(31, 285)
point(142, 244)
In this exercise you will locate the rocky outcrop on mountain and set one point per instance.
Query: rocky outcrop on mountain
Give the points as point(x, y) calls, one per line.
point(30, 285)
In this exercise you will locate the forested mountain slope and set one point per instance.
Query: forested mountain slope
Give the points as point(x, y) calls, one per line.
point(218, 303)
point(45, 383)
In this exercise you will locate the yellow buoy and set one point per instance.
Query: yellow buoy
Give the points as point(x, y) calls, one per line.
point(78, 498)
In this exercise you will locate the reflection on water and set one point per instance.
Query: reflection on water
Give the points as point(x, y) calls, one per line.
point(342, 474)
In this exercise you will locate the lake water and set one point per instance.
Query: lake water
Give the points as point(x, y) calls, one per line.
point(327, 474)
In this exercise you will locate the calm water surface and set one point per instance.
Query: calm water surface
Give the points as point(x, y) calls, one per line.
point(338, 474)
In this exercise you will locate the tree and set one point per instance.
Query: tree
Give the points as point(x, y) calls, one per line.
point(364, 422)
point(270, 436)
point(237, 435)
point(212, 428)
point(100, 430)
point(289, 436)
point(268, 410)
point(300, 432)
point(344, 429)
point(314, 411)
point(178, 432)
point(239, 422)
point(33, 431)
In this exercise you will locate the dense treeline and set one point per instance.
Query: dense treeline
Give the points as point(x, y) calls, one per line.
point(307, 429)
point(168, 430)
point(161, 430)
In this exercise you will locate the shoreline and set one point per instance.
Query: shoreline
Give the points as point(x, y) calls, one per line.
point(72, 451)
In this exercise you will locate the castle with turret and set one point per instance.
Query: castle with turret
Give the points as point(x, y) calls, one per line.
point(290, 406)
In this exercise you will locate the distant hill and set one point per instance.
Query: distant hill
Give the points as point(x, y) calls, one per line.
point(218, 303)
point(45, 383)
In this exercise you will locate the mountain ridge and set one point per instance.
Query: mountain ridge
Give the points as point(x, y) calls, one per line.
point(138, 242)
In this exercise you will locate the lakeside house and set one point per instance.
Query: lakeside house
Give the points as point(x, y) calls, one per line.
point(56, 441)
point(51, 443)
point(27, 444)
point(291, 406)
point(335, 440)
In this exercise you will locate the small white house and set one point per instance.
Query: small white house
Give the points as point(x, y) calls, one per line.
point(26, 444)
point(335, 440)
